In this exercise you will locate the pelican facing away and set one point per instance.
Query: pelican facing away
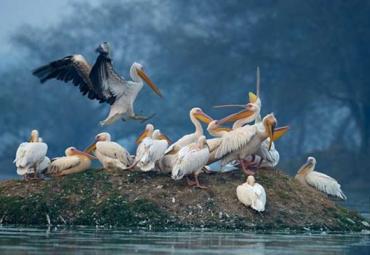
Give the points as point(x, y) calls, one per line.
point(101, 82)
point(190, 161)
point(150, 150)
point(31, 156)
point(75, 161)
point(110, 154)
point(322, 182)
point(252, 194)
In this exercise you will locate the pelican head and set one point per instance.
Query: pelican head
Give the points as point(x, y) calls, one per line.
point(311, 160)
point(156, 134)
point(72, 151)
point(34, 138)
point(102, 137)
point(104, 49)
point(308, 167)
point(137, 74)
point(215, 129)
point(198, 113)
point(269, 121)
point(148, 131)
point(250, 180)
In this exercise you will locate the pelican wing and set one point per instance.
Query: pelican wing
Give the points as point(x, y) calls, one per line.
point(235, 140)
point(63, 163)
point(113, 150)
point(270, 157)
point(72, 68)
point(325, 183)
point(107, 82)
point(245, 194)
point(29, 154)
point(259, 202)
point(190, 159)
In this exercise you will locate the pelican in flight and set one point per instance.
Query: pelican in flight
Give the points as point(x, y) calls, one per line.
point(101, 82)
point(196, 115)
point(190, 161)
point(110, 154)
point(244, 141)
point(309, 177)
point(150, 150)
point(252, 194)
point(74, 161)
point(31, 156)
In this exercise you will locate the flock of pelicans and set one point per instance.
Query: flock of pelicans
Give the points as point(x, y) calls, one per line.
point(248, 144)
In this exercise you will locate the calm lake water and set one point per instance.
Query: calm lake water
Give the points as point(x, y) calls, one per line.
point(97, 241)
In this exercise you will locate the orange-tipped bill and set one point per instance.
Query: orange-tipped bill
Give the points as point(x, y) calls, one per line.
point(279, 132)
point(270, 131)
point(142, 136)
point(154, 87)
point(85, 154)
point(236, 116)
point(222, 129)
point(91, 148)
point(203, 117)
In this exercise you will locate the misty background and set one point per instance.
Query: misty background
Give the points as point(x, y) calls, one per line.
point(314, 58)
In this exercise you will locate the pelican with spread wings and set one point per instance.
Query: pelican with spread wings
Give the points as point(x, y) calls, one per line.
point(101, 82)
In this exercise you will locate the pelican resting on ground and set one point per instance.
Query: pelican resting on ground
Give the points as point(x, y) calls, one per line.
point(190, 161)
point(74, 161)
point(101, 82)
point(196, 115)
point(110, 154)
point(241, 142)
point(150, 150)
point(309, 177)
point(252, 194)
point(31, 156)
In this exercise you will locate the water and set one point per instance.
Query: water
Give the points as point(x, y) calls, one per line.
point(97, 241)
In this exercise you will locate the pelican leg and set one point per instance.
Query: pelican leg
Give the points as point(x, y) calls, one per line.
point(190, 182)
point(197, 184)
point(245, 168)
point(142, 118)
point(110, 119)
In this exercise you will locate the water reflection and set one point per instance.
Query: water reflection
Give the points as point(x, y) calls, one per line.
point(97, 241)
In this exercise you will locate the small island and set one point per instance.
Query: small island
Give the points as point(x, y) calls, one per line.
point(150, 200)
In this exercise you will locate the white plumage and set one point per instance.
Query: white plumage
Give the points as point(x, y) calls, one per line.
point(150, 151)
point(252, 194)
point(191, 159)
point(322, 182)
point(31, 156)
point(110, 154)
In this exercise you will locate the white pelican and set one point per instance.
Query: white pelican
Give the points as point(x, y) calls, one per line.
point(252, 194)
point(244, 141)
point(74, 161)
point(191, 160)
point(100, 81)
point(31, 156)
point(196, 115)
point(110, 154)
point(148, 131)
point(150, 150)
point(322, 182)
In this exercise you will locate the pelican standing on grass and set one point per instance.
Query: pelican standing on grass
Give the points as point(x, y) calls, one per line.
point(190, 161)
point(101, 82)
point(31, 156)
point(74, 161)
point(309, 177)
point(150, 151)
point(252, 194)
point(110, 154)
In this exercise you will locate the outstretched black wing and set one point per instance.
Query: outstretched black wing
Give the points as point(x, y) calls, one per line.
point(71, 68)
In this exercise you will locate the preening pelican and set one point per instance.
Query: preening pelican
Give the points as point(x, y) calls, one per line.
point(101, 81)
point(148, 131)
point(244, 141)
point(252, 194)
point(110, 154)
point(322, 182)
point(150, 151)
point(31, 156)
point(190, 161)
point(196, 115)
point(74, 161)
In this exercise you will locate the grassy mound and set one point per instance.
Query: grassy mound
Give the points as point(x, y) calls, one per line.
point(135, 199)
